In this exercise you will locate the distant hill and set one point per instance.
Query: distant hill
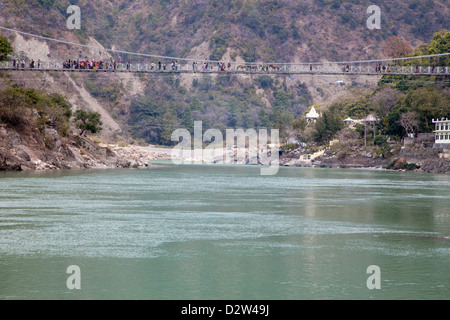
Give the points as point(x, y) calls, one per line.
point(149, 107)
point(267, 30)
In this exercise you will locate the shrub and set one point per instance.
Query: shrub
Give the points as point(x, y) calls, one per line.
point(21, 107)
point(5, 48)
point(342, 154)
point(391, 165)
point(380, 140)
point(13, 108)
point(218, 45)
point(265, 81)
point(400, 164)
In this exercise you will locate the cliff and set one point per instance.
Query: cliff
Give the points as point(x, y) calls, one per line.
point(35, 149)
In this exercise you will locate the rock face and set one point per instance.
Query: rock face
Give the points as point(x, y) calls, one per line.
point(33, 149)
point(136, 157)
point(428, 159)
point(422, 158)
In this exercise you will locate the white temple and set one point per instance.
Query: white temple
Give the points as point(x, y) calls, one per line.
point(312, 115)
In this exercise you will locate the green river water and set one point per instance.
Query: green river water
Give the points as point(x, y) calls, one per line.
point(224, 232)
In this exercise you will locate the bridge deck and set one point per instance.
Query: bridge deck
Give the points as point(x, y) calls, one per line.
point(250, 72)
point(283, 69)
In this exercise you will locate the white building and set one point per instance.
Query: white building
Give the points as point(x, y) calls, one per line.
point(442, 130)
point(370, 119)
point(349, 121)
point(312, 115)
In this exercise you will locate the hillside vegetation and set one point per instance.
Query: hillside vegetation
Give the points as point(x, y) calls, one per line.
point(396, 97)
point(266, 30)
point(238, 30)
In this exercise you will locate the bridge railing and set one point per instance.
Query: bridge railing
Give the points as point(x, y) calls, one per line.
point(284, 68)
point(260, 68)
point(28, 66)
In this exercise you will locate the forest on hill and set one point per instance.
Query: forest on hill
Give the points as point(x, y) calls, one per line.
point(256, 30)
point(239, 30)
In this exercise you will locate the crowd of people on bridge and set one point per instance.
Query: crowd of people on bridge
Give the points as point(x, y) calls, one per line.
point(77, 64)
point(22, 64)
point(159, 66)
point(114, 65)
point(94, 65)
point(383, 68)
point(207, 66)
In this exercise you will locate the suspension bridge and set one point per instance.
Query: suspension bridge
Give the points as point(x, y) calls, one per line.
point(283, 69)
point(145, 63)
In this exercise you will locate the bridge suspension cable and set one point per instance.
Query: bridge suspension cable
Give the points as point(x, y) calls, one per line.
point(215, 61)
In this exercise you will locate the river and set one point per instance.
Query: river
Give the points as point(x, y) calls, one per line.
point(224, 232)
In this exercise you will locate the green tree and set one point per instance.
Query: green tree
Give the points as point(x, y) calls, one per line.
point(326, 126)
point(283, 121)
point(54, 110)
point(218, 46)
point(168, 125)
point(300, 127)
point(429, 103)
point(440, 44)
point(5, 48)
point(359, 108)
point(265, 81)
point(283, 100)
point(384, 99)
point(88, 121)
point(392, 122)
point(187, 121)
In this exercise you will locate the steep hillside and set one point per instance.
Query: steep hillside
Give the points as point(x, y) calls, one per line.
point(267, 30)
point(148, 108)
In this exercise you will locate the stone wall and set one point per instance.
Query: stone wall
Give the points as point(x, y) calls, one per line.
point(442, 146)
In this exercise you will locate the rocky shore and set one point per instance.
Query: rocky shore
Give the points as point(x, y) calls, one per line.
point(410, 158)
point(31, 149)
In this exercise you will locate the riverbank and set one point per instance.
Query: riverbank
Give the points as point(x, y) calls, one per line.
point(30, 149)
point(417, 158)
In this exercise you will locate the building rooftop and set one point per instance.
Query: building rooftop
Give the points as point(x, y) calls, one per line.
point(312, 114)
point(441, 120)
